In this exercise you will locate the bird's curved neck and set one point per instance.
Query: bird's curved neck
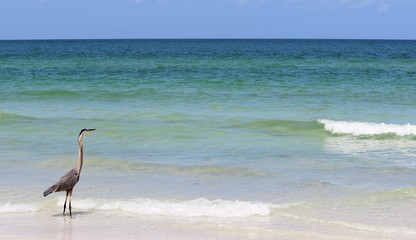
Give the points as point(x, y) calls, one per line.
point(80, 157)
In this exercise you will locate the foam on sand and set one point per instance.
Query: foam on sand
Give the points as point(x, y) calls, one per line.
point(18, 208)
point(200, 207)
point(193, 208)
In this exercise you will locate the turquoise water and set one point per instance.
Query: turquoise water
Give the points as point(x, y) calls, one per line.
point(306, 129)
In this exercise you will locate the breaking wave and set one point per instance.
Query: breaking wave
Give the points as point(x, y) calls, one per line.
point(18, 208)
point(200, 207)
point(367, 128)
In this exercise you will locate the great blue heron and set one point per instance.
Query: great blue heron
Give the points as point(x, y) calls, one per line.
point(68, 181)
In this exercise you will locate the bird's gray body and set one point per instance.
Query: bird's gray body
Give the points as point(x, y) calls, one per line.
point(68, 181)
point(65, 183)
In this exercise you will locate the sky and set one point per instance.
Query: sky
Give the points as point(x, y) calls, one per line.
point(120, 19)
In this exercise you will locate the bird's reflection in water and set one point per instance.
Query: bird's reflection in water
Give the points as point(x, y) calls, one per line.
point(67, 229)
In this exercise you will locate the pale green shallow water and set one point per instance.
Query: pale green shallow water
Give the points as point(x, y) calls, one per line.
point(317, 131)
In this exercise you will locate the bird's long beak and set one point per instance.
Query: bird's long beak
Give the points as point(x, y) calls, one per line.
point(90, 130)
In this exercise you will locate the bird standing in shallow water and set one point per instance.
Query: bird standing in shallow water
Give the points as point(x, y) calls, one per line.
point(68, 181)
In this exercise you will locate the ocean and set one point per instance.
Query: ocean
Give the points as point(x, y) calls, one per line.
point(273, 136)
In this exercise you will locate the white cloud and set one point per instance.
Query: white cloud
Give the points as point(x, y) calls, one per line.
point(384, 6)
point(378, 5)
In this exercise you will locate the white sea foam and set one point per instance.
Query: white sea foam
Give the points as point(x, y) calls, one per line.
point(17, 208)
point(193, 208)
point(367, 128)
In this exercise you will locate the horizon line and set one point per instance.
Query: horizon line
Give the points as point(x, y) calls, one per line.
point(214, 38)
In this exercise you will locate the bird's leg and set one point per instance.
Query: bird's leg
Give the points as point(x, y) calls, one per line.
point(70, 198)
point(67, 192)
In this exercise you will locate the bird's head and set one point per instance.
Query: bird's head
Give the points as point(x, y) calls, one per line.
point(84, 131)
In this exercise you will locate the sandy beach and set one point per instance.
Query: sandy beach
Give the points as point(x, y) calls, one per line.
point(88, 225)
point(108, 226)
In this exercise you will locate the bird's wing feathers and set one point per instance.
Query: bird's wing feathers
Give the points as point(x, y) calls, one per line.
point(66, 182)
point(50, 190)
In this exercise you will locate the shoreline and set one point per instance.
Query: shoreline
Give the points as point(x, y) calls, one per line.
point(88, 225)
point(109, 225)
